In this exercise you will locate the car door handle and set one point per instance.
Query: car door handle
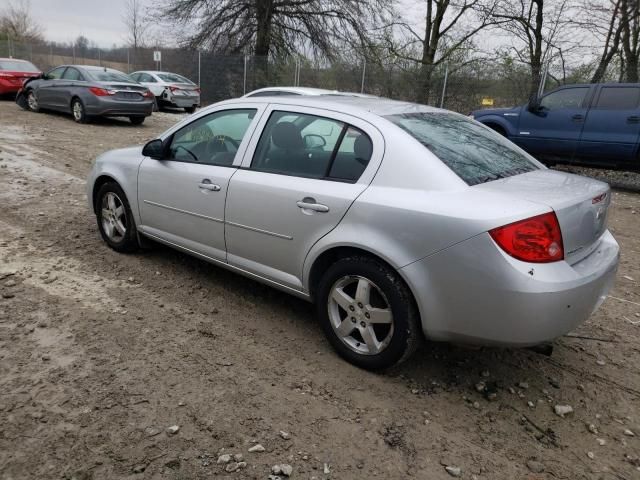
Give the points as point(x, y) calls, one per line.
point(310, 204)
point(207, 185)
point(577, 117)
point(633, 119)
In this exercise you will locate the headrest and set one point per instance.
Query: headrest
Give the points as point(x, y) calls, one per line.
point(362, 148)
point(286, 135)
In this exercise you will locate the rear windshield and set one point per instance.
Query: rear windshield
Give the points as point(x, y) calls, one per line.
point(473, 152)
point(110, 76)
point(173, 77)
point(16, 66)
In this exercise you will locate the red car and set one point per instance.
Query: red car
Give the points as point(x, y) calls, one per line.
point(13, 73)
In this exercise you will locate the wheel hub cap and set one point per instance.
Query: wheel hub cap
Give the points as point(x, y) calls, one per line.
point(114, 218)
point(360, 315)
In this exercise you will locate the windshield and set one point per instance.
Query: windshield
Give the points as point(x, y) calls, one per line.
point(472, 151)
point(18, 66)
point(109, 76)
point(173, 77)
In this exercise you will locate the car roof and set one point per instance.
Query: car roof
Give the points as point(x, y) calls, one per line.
point(298, 90)
point(15, 59)
point(343, 103)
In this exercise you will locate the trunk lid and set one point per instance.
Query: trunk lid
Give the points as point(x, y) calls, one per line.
point(18, 78)
point(126, 91)
point(581, 205)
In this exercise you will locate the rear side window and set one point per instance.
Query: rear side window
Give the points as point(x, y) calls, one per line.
point(618, 98)
point(18, 66)
point(104, 75)
point(475, 153)
point(72, 74)
point(565, 98)
point(311, 146)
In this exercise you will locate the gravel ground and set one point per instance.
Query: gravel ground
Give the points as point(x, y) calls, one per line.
point(100, 353)
point(616, 178)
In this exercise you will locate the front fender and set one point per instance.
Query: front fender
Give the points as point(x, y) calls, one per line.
point(500, 121)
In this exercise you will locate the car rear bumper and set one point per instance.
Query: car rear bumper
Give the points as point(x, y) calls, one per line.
point(108, 107)
point(7, 87)
point(475, 293)
point(182, 101)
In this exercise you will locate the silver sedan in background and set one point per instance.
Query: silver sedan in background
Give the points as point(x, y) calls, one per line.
point(170, 89)
point(398, 220)
point(87, 92)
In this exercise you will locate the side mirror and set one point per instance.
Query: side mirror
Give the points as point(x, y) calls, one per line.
point(154, 149)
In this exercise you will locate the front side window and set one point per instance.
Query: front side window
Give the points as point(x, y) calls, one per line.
point(618, 98)
point(310, 146)
point(474, 153)
point(565, 98)
point(56, 73)
point(212, 140)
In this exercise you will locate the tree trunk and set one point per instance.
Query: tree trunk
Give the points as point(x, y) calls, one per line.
point(426, 74)
point(632, 69)
point(264, 16)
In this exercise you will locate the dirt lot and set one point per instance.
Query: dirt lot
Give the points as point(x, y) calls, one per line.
point(101, 352)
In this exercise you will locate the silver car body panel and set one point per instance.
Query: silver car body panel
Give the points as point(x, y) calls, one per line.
point(408, 208)
point(186, 96)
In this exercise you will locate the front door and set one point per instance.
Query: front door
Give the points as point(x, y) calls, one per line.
point(554, 129)
point(610, 134)
point(182, 198)
point(304, 174)
point(47, 92)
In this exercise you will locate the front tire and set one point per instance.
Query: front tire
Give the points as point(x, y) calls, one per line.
point(32, 102)
point(136, 119)
point(368, 313)
point(115, 220)
point(78, 111)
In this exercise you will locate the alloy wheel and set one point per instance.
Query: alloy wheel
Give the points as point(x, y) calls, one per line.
point(77, 111)
point(114, 219)
point(32, 101)
point(360, 315)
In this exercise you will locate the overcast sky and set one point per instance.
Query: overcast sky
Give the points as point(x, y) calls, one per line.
point(98, 20)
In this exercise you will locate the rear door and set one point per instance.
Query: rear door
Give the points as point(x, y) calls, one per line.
point(71, 79)
point(554, 130)
point(299, 178)
point(182, 197)
point(612, 127)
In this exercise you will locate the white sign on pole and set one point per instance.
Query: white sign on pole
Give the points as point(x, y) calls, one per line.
point(157, 56)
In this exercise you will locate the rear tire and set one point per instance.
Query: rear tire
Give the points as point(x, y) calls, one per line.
point(115, 220)
point(78, 111)
point(136, 119)
point(382, 326)
point(190, 109)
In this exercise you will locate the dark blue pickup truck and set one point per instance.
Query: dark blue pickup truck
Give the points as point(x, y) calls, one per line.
point(596, 124)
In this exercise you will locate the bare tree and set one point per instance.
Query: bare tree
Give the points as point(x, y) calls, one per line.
point(536, 26)
point(137, 25)
point(274, 27)
point(17, 23)
point(448, 28)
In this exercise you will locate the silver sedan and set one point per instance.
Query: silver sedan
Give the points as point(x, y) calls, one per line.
point(170, 89)
point(399, 221)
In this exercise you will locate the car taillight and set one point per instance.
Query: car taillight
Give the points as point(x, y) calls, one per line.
point(148, 94)
point(198, 89)
point(173, 89)
point(536, 239)
point(101, 92)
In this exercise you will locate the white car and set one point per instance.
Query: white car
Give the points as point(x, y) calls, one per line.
point(305, 91)
point(170, 89)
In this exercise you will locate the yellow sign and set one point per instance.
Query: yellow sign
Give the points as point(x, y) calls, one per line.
point(487, 102)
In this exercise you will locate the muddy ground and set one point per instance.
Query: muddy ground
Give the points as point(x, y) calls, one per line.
point(101, 352)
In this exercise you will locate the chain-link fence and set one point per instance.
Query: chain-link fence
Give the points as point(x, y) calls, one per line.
point(225, 76)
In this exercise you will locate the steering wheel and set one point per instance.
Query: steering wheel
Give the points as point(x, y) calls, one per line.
point(221, 143)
